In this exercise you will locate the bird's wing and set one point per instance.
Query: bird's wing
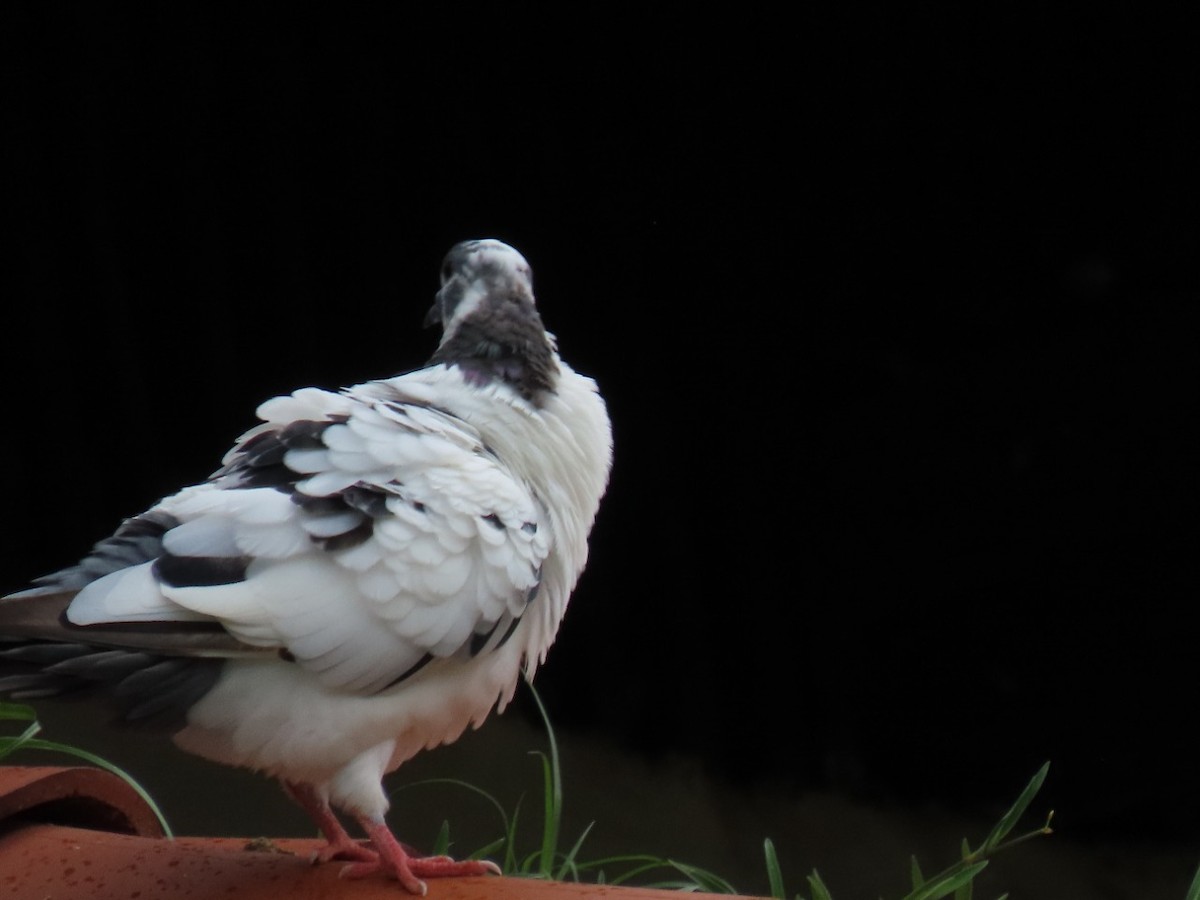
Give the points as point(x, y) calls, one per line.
point(361, 533)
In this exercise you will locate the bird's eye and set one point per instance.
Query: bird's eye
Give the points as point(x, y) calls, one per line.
point(447, 271)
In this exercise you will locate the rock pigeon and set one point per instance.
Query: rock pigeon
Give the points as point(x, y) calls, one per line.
point(368, 572)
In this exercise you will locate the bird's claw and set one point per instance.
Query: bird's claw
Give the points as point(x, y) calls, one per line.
point(345, 850)
point(444, 866)
point(411, 883)
point(410, 871)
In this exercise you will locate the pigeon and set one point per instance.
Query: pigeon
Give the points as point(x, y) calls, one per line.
point(369, 572)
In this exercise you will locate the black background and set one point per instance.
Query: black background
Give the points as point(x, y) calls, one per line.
point(895, 311)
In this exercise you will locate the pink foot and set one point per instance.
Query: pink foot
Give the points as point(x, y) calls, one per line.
point(339, 844)
point(409, 870)
point(346, 850)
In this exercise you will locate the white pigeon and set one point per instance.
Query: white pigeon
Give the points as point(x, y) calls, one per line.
point(365, 576)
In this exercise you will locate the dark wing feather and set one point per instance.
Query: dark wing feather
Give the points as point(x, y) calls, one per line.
point(43, 618)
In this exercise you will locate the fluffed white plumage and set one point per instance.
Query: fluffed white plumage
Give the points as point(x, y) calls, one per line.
point(366, 574)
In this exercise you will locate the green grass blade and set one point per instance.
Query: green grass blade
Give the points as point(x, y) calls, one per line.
point(509, 828)
point(552, 771)
point(496, 805)
point(820, 892)
point(488, 849)
point(17, 712)
point(569, 860)
point(947, 884)
point(914, 869)
point(644, 864)
point(441, 844)
point(510, 854)
point(530, 866)
point(703, 879)
point(774, 873)
point(1009, 819)
point(13, 744)
point(549, 826)
point(568, 871)
point(1194, 891)
point(633, 866)
point(636, 865)
point(965, 891)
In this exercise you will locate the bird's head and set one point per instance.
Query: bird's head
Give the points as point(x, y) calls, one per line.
point(484, 276)
point(491, 328)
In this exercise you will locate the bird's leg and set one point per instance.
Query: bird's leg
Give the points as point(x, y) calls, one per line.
point(408, 870)
point(339, 844)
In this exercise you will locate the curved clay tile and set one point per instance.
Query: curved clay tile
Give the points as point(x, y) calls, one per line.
point(75, 833)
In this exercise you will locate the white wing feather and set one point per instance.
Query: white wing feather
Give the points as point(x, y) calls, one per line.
point(456, 541)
